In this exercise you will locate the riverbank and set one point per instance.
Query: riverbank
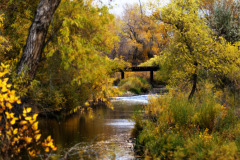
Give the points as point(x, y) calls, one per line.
point(172, 127)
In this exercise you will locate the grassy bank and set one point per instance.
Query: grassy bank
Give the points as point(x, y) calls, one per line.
point(135, 85)
point(207, 127)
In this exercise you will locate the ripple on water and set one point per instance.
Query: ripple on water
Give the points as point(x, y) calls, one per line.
point(120, 123)
point(141, 99)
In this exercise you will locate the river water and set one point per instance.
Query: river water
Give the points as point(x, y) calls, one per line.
point(106, 135)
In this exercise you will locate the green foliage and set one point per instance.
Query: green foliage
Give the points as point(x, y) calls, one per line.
point(18, 18)
point(155, 61)
point(4, 44)
point(74, 66)
point(195, 53)
point(176, 128)
point(77, 68)
point(134, 84)
point(189, 51)
point(224, 19)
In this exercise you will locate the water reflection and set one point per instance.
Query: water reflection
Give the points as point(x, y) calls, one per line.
point(106, 136)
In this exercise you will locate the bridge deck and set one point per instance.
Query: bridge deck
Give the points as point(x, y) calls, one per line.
point(139, 69)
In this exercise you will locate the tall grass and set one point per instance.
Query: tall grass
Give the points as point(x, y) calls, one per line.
point(175, 128)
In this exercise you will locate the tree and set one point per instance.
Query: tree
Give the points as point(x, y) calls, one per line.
point(195, 54)
point(74, 67)
point(223, 17)
point(189, 52)
point(142, 37)
point(37, 33)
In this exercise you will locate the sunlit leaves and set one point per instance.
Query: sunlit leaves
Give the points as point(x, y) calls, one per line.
point(17, 133)
point(190, 49)
point(77, 61)
point(37, 137)
point(48, 144)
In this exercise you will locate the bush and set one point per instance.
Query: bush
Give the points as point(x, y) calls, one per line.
point(19, 133)
point(175, 128)
point(134, 84)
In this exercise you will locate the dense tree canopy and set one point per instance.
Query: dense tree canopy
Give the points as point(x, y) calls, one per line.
point(62, 56)
point(195, 52)
point(73, 53)
point(141, 36)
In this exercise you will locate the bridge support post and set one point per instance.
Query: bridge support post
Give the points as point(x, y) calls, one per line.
point(151, 76)
point(122, 75)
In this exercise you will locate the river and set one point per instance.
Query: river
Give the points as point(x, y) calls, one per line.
point(105, 136)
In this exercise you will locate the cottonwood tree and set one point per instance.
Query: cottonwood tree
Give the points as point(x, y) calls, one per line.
point(74, 67)
point(142, 37)
point(33, 49)
point(195, 53)
point(190, 48)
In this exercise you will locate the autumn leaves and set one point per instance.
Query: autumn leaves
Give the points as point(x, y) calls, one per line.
point(18, 133)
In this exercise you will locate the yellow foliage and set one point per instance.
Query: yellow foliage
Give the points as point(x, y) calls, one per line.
point(205, 136)
point(18, 130)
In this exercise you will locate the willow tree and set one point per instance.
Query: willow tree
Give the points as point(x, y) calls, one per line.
point(189, 52)
point(75, 67)
point(70, 50)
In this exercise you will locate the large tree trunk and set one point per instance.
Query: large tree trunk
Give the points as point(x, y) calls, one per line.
point(33, 49)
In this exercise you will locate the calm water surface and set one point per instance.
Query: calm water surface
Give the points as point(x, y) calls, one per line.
point(106, 136)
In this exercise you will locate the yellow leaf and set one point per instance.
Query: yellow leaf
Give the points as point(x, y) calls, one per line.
point(35, 126)
point(28, 110)
point(32, 153)
point(28, 118)
point(87, 104)
point(8, 115)
point(47, 149)
point(54, 148)
point(9, 105)
point(25, 127)
point(49, 138)
point(37, 131)
point(18, 101)
point(28, 139)
point(23, 122)
point(4, 89)
point(35, 117)
point(37, 137)
point(13, 121)
point(15, 131)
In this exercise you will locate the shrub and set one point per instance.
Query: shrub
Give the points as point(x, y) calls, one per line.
point(134, 84)
point(175, 128)
point(19, 132)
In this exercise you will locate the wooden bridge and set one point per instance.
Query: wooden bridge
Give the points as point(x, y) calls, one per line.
point(140, 69)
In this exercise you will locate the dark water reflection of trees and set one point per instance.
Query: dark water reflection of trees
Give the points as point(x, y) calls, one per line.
point(106, 136)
